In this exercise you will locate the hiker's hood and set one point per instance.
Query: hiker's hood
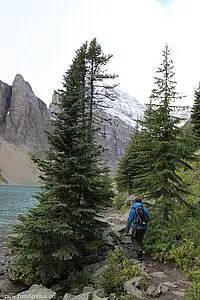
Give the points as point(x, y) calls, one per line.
point(136, 204)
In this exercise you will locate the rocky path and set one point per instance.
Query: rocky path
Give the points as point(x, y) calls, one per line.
point(165, 281)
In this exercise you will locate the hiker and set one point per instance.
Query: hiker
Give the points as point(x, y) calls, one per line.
point(138, 216)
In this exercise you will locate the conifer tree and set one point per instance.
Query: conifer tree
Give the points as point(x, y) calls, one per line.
point(98, 80)
point(162, 151)
point(195, 115)
point(56, 235)
point(128, 168)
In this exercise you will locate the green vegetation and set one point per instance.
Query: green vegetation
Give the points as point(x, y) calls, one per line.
point(158, 151)
point(54, 238)
point(117, 271)
point(195, 116)
point(161, 164)
point(119, 201)
point(178, 240)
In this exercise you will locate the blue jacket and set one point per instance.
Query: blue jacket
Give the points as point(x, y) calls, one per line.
point(131, 217)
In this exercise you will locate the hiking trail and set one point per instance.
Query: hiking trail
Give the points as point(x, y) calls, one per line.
point(166, 280)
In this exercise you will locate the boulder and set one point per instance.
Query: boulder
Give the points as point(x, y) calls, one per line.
point(132, 287)
point(88, 289)
point(158, 274)
point(161, 289)
point(68, 296)
point(170, 284)
point(38, 292)
point(83, 296)
point(179, 293)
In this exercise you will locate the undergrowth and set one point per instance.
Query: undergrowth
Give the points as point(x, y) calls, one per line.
point(111, 277)
point(178, 240)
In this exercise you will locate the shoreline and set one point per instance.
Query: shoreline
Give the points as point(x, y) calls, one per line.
point(7, 287)
point(21, 184)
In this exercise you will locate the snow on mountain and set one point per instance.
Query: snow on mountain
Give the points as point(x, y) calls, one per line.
point(125, 107)
point(128, 109)
point(182, 113)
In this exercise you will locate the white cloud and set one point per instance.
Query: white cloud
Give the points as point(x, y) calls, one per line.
point(39, 40)
point(183, 37)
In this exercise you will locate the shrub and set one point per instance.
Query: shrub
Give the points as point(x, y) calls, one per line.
point(119, 200)
point(186, 255)
point(117, 271)
point(194, 292)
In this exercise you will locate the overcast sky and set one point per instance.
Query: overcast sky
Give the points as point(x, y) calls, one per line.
point(39, 38)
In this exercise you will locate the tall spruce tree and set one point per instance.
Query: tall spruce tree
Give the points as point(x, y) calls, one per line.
point(56, 235)
point(162, 144)
point(195, 115)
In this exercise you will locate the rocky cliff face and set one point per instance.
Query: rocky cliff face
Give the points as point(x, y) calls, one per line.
point(113, 135)
point(23, 117)
point(5, 96)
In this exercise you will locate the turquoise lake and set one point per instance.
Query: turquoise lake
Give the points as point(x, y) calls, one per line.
point(15, 200)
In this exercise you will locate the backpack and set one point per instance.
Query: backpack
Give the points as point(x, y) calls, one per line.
point(140, 215)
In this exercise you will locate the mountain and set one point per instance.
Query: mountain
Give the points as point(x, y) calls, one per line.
point(125, 108)
point(24, 118)
point(116, 132)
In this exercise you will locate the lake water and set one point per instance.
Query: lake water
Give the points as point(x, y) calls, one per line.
point(14, 201)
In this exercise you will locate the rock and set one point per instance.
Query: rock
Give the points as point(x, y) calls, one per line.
point(170, 284)
point(109, 240)
point(68, 296)
point(126, 240)
point(123, 218)
point(2, 270)
point(150, 290)
point(60, 286)
point(88, 289)
point(158, 274)
point(179, 293)
point(38, 292)
point(98, 298)
point(161, 289)
point(134, 261)
point(112, 296)
point(88, 270)
point(83, 296)
point(99, 293)
point(132, 287)
point(143, 271)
